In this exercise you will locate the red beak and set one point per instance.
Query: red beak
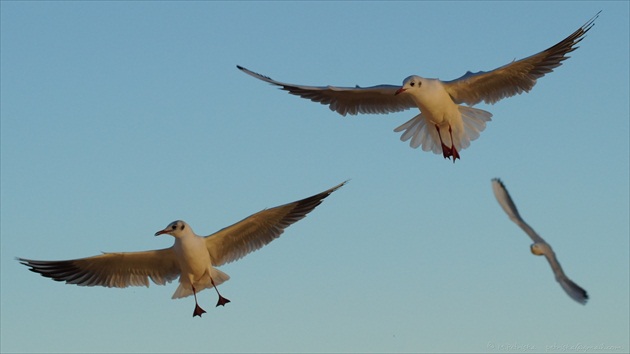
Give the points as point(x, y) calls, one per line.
point(400, 90)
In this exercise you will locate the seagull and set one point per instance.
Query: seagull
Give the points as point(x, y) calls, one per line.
point(444, 125)
point(539, 247)
point(192, 258)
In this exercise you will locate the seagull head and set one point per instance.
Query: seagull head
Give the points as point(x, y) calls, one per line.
point(177, 228)
point(409, 84)
point(538, 249)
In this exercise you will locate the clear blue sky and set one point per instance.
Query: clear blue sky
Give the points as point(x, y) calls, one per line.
point(118, 118)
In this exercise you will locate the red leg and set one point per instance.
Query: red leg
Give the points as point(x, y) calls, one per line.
point(447, 151)
point(222, 301)
point(198, 310)
point(454, 152)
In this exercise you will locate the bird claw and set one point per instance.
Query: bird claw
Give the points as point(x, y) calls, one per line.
point(198, 311)
point(222, 301)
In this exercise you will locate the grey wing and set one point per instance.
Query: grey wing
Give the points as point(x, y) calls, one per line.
point(514, 78)
point(572, 289)
point(379, 99)
point(503, 197)
point(118, 270)
point(506, 202)
point(257, 230)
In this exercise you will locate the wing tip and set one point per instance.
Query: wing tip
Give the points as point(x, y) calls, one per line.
point(581, 33)
point(254, 74)
point(590, 23)
point(340, 185)
point(498, 181)
point(307, 205)
point(575, 291)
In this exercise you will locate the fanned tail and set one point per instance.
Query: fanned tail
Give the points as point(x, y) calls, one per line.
point(474, 123)
point(421, 132)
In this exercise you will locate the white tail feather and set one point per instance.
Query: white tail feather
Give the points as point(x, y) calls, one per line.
point(421, 134)
point(424, 134)
point(474, 123)
point(184, 290)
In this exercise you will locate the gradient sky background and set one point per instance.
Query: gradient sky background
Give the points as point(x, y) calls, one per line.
point(118, 118)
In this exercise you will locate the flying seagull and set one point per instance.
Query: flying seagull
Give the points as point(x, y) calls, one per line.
point(539, 247)
point(192, 258)
point(444, 125)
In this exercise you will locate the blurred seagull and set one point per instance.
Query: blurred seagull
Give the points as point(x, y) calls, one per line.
point(192, 258)
point(539, 247)
point(443, 125)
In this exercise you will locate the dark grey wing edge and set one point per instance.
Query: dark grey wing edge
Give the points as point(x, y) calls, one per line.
point(93, 271)
point(252, 233)
point(306, 205)
point(379, 99)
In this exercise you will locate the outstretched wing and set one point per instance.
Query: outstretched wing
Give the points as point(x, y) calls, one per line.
point(113, 270)
point(504, 199)
point(347, 100)
point(572, 289)
point(514, 78)
point(257, 230)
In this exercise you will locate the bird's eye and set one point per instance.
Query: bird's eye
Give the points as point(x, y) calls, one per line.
point(412, 84)
point(173, 227)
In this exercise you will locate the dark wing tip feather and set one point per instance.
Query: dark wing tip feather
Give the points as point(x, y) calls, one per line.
point(590, 23)
point(557, 53)
point(518, 76)
point(582, 297)
point(570, 43)
point(56, 270)
point(254, 74)
point(250, 234)
point(306, 205)
point(93, 271)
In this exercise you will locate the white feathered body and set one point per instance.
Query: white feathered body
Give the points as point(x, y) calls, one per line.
point(437, 110)
point(196, 265)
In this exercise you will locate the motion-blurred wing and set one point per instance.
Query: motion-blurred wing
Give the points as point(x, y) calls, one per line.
point(257, 230)
point(504, 199)
point(572, 289)
point(514, 78)
point(347, 100)
point(113, 270)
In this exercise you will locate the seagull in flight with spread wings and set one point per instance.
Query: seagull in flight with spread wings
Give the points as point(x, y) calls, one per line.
point(539, 247)
point(444, 125)
point(192, 258)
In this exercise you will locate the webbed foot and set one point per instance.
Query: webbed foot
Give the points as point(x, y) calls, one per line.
point(222, 301)
point(198, 311)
